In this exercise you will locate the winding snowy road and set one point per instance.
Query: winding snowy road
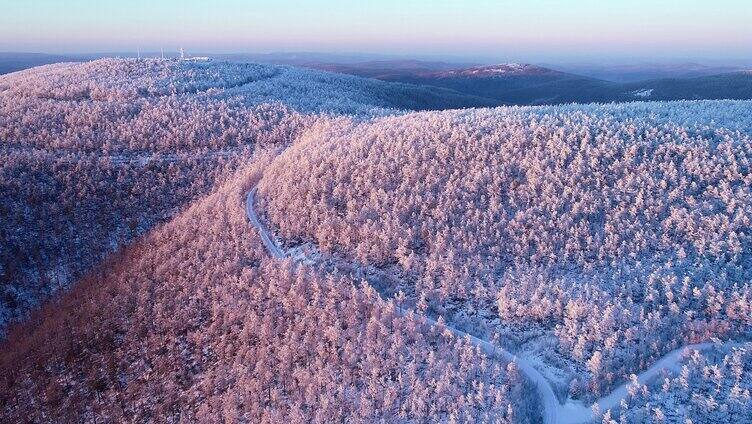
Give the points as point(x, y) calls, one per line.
point(572, 411)
point(266, 237)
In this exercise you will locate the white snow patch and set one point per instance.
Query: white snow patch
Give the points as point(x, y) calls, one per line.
point(644, 93)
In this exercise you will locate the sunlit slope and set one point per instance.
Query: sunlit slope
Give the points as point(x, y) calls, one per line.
point(193, 322)
point(94, 154)
point(621, 231)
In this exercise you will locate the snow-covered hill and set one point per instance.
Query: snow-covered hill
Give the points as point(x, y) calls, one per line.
point(504, 69)
point(84, 143)
point(594, 238)
point(304, 90)
point(588, 240)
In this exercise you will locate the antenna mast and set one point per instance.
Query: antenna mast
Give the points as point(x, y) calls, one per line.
point(139, 52)
point(182, 54)
point(162, 50)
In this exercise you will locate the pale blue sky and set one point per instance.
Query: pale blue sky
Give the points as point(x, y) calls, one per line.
point(534, 29)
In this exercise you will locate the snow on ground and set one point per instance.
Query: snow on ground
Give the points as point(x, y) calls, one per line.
point(644, 93)
point(503, 69)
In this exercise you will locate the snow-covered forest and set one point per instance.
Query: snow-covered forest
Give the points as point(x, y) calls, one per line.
point(94, 154)
point(588, 240)
point(83, 176)
point(195, 323)
point(707, 387)
point(618, 235)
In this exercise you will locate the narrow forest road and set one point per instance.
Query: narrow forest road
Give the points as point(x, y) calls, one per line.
point(572, 411)
point(545, 392)
point(266, 237)
point(68, 156)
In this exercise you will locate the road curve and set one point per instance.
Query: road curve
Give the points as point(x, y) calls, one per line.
point(266, 237)
point(571, 412)
point(545, 392)
point(551, 407)
point(669, 362)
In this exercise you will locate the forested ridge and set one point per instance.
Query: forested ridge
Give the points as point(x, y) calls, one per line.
point(193, 322)
point(84, 175)
point(620, 237)
point(94, 154)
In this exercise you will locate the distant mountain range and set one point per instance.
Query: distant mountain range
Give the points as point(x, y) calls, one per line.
point(645, 71)
point(492, 85)
point(12, 62)
point(386, 69)
point(526, 84)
